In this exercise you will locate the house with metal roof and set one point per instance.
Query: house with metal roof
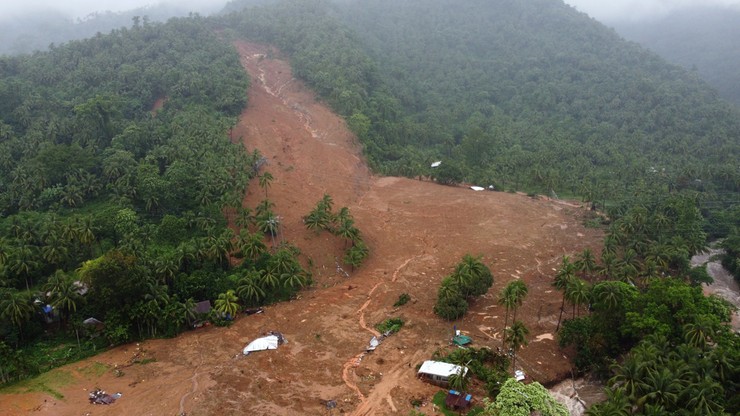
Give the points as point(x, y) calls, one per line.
point(437, 372)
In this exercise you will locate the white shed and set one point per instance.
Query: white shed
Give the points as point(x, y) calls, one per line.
point(437, 372)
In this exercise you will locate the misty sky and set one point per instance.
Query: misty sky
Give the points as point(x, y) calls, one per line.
point(82, 8)
point(605, 10)
point(611, 10)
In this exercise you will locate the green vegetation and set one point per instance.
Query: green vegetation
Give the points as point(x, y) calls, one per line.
point(391, 325)
point(470, 278)
point(677, 350)
point(504, 99)
point(115, 211)
point(403, 299)
point(486, 365)
point(519, 399)
point(99, 193)
point(342, 225)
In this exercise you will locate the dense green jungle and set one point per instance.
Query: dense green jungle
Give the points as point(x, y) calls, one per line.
point(114, 210)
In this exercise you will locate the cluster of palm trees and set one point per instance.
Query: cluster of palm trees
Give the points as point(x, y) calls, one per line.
point(342, 225)
point(659, 378)
point(469, 279)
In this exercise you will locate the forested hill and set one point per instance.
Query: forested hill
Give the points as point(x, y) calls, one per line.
point(526, 95)
point(703, 38)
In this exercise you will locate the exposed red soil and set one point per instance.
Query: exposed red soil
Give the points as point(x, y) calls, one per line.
point(417, 231)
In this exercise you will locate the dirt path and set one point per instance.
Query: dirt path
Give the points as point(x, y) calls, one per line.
point(417, 231)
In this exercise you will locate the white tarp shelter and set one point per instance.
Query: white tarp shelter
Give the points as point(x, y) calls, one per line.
point(269, 342)
point(477, 188)
point(436, 164)
point(438, 372)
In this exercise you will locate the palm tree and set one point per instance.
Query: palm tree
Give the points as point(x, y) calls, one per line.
point(251, 245)
point(265, 180)
point(698, 333)
point(562, 279)
point(16, 307)
point(24, 262)
point(227, 303)
point(317, 219)
point(249, 289)
point(356, 254)
point(244, 217)
point(460, 380)
point(518, 291)
point(474, 277)
point(628, 377)
point(270, 278)
point(577, 293)
point(616, 404)
point(4, 251)
point(660, 388)
point(506, 299)
point(705, 396)
point(586, 263)
point(63, 294)
point(347, 230)
point(517, 337)
point(54, 251)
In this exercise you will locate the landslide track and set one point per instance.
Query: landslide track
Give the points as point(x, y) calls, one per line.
point(416, 231)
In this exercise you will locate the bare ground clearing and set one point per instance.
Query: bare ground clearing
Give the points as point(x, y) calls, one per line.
point(416, 230)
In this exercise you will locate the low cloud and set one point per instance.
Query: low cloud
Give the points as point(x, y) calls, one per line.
point(616, 10)
point(82, 8)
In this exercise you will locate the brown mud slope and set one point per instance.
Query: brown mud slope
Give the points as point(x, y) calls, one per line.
point(416, 230)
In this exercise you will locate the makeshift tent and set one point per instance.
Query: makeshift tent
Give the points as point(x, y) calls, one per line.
point(461, 340)
point(477, 188)
point(269, 342)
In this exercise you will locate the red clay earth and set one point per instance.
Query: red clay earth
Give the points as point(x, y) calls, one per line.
point(416, 230)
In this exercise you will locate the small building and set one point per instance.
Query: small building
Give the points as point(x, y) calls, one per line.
point(439, 373)
point(456, 400)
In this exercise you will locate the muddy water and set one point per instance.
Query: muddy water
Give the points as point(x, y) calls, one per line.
point(724, 286)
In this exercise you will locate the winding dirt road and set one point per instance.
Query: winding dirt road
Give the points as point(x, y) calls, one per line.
point(417, 231)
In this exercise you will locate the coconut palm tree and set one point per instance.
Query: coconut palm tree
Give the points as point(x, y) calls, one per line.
point(227, 303)
point(16, 307)
point(562, 279)
point(249, 288)
point(63, 294)
point(517, 337)
point(577, 293)
point(628, 377)
point(251, 245)
point(586, 263)
point(265, 180)
point(659, 388)
point(511, 297)
point(459, 381)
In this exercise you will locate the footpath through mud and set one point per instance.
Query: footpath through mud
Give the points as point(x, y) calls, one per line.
point(417, 231)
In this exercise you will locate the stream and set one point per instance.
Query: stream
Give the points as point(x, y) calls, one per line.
point(724, 286)
point(582, 392)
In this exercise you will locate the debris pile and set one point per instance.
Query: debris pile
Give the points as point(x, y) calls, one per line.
point(375, 341)
point(99, 396)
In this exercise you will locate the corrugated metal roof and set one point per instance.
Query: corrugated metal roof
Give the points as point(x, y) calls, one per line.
point(439, 368)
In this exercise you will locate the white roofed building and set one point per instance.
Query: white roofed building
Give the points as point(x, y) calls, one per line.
point(437, 372)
